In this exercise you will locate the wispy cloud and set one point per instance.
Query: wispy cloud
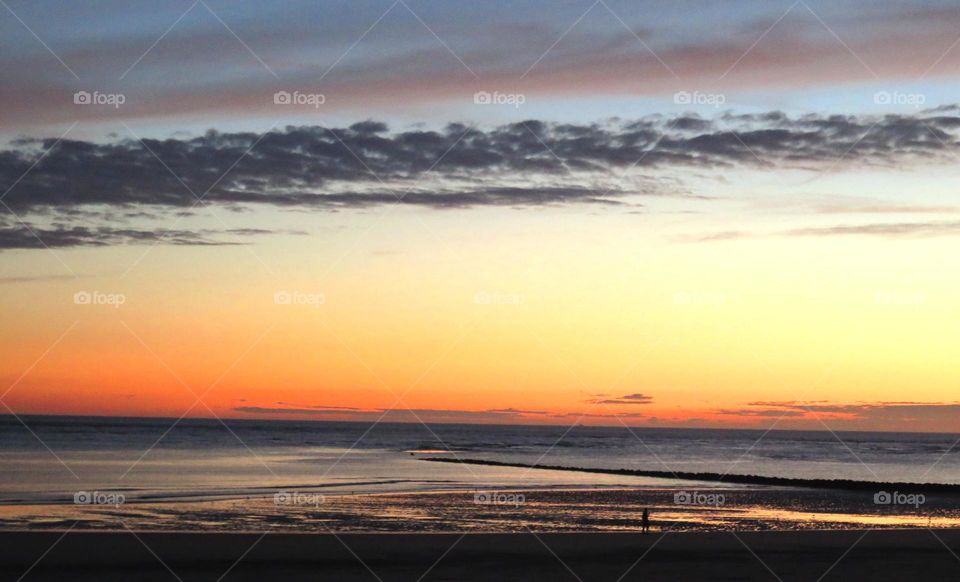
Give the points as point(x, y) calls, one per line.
point(502, 415)
point(882, 229)
point(27, 237)
point(875, 229)
point(919, 416)
point(625, 399)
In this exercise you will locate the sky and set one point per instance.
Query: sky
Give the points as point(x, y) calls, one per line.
point(687, 214)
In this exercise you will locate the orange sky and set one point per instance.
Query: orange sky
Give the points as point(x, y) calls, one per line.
point(487, 328)
point(650, 268)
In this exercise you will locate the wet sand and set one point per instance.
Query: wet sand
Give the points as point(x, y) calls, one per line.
point(501, 511)
point(809, 555)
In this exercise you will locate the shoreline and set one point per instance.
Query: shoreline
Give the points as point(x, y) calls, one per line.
point(614, 426)
point(262, 493)
point(502, 510)
point(732, 479)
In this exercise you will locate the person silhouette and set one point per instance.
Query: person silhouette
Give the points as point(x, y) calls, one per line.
point(645, 520)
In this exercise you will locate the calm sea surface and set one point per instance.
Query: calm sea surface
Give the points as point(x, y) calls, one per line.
point(153, 459)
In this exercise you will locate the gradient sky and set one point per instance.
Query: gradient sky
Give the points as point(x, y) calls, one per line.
point(680, 214)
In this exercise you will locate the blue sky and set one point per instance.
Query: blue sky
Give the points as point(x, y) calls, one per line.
point(186, 66)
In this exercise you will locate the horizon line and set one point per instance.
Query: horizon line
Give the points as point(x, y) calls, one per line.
point(19, 417)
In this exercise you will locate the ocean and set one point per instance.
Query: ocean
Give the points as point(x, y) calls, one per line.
point(51, 458)
point(62, 473)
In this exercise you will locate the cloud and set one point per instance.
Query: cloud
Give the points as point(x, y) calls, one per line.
point(529, 163)
point(763, 412)
point(415, 415)
point(358, 166)
point(503, 415)
point(305, 411)
point(517, 411)
point(920, 416)
point(612, 418)
point(884, 209)
point(638, 397)
point(881, 229)
point(31, 237)
point(81, 193)
point(625, 399)
point(36, 279)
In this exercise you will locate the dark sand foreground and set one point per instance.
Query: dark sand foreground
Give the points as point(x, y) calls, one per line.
point(810, 555)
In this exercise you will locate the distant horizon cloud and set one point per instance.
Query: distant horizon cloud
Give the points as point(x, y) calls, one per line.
point(906, 415)
point(625, 399)
point(920, 416)
point(395, 414)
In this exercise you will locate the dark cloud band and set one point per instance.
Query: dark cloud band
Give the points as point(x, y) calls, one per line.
point(527, 163)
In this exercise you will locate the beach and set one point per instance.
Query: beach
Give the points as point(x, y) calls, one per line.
point(314, 501)
point(317, 477)
point(787, 556)
point(492, 510)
